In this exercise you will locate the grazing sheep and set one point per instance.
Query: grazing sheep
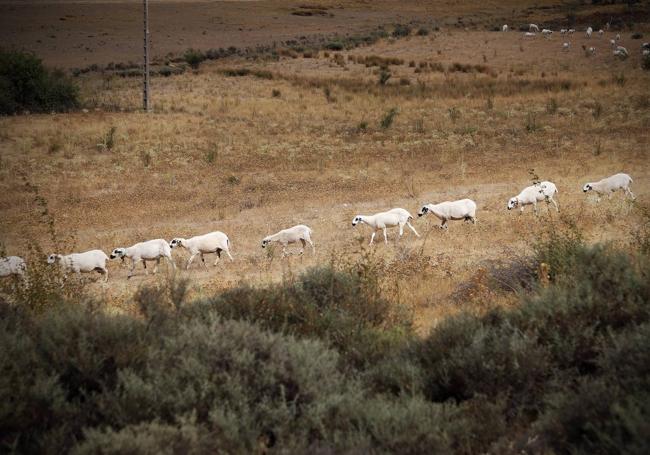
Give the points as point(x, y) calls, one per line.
point(547, 33)
point(533, 194)
point(529, 34)
point(645, 46)
point(151, 250)
point(601, 32)
point(645, 52)
point(89, 261)
point(571, 31)
point(394, 217)
point(294, 234)
point(621, 52)
point(12, 265)
point(464, 209)
point(589, 32)
point(214, 242)
point(565, 47)
point(504, 28)
point(618, 37)
point(533, 28)
point(563, 31)
point(611, 184)
point(612, 43)
point(589, 51)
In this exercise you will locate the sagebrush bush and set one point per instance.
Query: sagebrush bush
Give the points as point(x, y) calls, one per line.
point(27, 85)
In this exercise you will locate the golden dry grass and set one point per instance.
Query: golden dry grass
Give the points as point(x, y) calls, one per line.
point(223, 153)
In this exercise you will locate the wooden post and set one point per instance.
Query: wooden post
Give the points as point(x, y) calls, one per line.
point(146, 101)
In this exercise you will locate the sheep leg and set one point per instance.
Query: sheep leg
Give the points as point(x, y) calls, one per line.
point(203, 260)
point(629, 192)
point(413, 229)
point(304, 244)
point(385, 237)
point(189, 261)
point(401, 230)
point(535, 208)
point(443, 225)
point(557, 209)
point(133, 264)
point(218, 253)
point(104, 272)
point(372, 237)
point(228, 253)
point(155, 267)
point(170, 261)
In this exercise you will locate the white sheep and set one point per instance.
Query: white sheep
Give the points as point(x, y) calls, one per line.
point(571, 31)
point(504, 28)
point(89, 261)
point(621, 52)
point(618, 37)
point(601, 32)
point(547, 33)
point(612, 43)
point(533, 28)
point(645, 52)
point(12, 265)
point(214, 242)
point(529, 34)
point(299, 233)
point(611, 184)
point(464, 209)
point(151, 250)
point(589, 51)
point(563, 31)
point(394, 217)
point(645, 46)
point(533, 194)
point(589, 32)
point(565, 47)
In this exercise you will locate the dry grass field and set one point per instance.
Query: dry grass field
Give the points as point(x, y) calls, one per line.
point(300, 140)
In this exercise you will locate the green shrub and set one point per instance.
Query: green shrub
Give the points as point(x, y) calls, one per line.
point(342, 308)
point(387, 121)
point(26, 85)
point(194, 58)
point(401, 30)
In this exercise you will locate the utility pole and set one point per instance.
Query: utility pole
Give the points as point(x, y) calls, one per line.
point(146, 101)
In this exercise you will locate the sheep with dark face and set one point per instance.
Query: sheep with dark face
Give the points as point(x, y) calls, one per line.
point(151, 250)
point(610, 185)
point(214, 242)
point(299, 233)
point(533, 194)
point(397, 217)
point(464, 209)
point(89, 261)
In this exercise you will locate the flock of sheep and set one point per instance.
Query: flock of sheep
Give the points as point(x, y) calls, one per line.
point(617, 50)
point(218, 242)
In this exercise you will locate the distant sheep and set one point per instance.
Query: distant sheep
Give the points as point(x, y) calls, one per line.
point(383, 220)
point(621, 52)
point(504, 28)
point(299, 233)
point(533, 28)
point(610, 185)
point(589, 51)
point(571, 31)
point(12, 265)
point(563, 31)
point(565, 47)
point(89, 261)
point(529, 34)
point(547, 33)
point(151, 250)
point(533, 194)
point(589, 32)
point(464, 209)
point(601, 32)
point(214, 242)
